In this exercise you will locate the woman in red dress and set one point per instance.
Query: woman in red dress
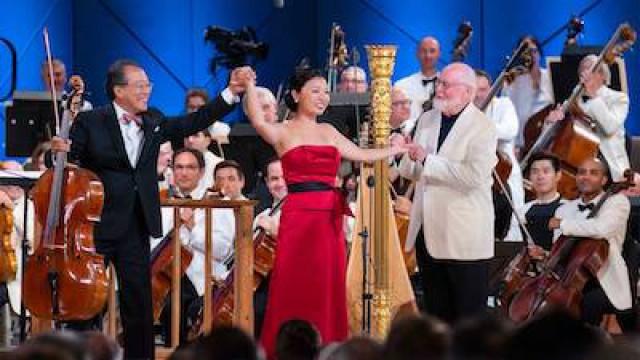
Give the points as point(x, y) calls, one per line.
point(308, 278)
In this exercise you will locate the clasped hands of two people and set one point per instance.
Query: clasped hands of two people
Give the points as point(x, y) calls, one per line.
point(415, 151)
point(239, 80)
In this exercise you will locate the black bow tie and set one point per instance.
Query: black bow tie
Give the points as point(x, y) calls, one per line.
point(585, 98)
point(396, 131)
point(426, 82)
point(588, 206)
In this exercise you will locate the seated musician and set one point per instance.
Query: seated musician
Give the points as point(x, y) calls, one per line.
point(188, 169)
point(612, 291)
point(269, 220)
point(608, 108)
point(502, 112)
point(229, 179)
point(400, 114)
point(353, 80)
point(544, 174)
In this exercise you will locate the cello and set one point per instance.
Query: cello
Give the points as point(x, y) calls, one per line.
point(264, 247)
point(571, 263)
point(8, 262)
point(65, 279)
point(575, 138)
point(162, 265)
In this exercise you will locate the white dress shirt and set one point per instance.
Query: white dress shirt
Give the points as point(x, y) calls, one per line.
point(503, 113)
point(609, 108)
point(418, 93)
point(223, 232)
point(527, 100)
point(132, 135)
point(610, 224)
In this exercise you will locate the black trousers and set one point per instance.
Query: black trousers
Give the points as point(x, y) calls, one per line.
point(452, 289)
point(130, 257)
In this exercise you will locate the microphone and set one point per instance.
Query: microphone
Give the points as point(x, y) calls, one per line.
point(278, 4)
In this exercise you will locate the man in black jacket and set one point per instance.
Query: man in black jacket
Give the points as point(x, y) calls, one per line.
point(120, 143)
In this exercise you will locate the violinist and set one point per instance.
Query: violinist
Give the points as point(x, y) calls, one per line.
point(503, 114)
point(119, 143)
point(274, 179)
point(400, 113)
point(608, 108)
point(269, 220)
point(188, 169)
point(353, 80)
point(544, 174)
point(532, 91)
point(611, 291)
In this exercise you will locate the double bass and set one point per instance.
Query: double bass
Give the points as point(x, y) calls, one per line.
point(65, 279)
point(519, 63)
point(575, 138)
point(571, 263)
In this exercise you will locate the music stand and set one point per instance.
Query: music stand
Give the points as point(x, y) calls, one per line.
point(346, 112)
point(29, 120)
point(24, 180)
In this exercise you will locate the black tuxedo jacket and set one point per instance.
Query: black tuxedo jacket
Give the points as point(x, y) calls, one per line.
point(97, 145)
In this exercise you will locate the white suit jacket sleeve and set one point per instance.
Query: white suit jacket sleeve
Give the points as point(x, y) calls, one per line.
point(506, 119)
point(473, 171)
point(613, 214)
point(610, 118)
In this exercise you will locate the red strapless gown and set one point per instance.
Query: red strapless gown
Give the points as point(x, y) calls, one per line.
point(308, 277)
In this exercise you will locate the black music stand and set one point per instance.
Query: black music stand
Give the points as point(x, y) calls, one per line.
point(346, 112)
point(24, 180)
point(29, 120)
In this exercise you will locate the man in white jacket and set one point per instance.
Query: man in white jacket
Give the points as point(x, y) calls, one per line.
point(608, 108)
point(611, 290)
point(451, 158)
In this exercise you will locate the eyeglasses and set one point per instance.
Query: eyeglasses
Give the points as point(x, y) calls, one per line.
point(186, 167)
point(401, 103)
point(447, 85)
point(140, 86)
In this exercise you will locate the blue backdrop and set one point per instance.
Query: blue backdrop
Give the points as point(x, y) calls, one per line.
point(166, 36)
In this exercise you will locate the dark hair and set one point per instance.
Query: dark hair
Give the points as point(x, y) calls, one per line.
point(116, 75)
point(483, 74)
point(540, 156)
point(229, 164)
point(357, 348)
point(297, 340)
point(195, 92)
point(297, 81)
point(563, 336)
point(265, 170)
point(196, 153)
point(418, 337)
point(481, 337)
point(534, 40)
point(226, 343)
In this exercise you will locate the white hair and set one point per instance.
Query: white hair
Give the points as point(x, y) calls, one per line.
point(356, 70)
point(603, 69)
point(263, 93)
